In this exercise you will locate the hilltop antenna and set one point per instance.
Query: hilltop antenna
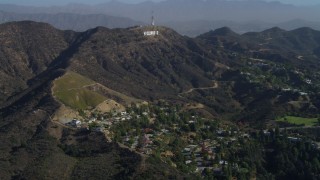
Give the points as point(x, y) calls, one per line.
point(152, 30)
point(152, 19)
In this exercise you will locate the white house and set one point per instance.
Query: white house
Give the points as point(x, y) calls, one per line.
point(75, 123)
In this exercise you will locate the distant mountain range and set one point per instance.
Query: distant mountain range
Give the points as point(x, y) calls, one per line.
point(67, 21)
point(189, 17)
point(194, 28)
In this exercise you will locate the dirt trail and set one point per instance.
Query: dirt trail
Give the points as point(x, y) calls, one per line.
point(215, 86)
point(70, 89)
point(56, 122)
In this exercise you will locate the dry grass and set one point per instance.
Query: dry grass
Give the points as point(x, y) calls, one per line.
point(71, 90)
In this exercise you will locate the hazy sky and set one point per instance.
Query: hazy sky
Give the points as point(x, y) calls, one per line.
point(59, 2)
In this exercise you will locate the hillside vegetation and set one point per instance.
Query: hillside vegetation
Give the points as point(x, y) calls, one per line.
point(255, 81)
point(299, 120)
point(71, 90)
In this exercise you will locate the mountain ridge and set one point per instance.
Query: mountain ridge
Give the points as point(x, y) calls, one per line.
point(69, 21)
point(249, 78)
point(125, 56)
point(258, 16)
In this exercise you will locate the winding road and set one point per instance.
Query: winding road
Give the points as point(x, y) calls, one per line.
point(215, 86)
point(82, 87)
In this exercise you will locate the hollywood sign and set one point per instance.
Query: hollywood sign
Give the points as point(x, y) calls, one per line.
point(151, 33)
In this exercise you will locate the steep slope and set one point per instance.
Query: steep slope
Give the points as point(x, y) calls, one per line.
point(159, 66)
point(45, 148)
point(299, 47)
point(35, 147)
point(227, 39)
point(273, 44)
point(118, 59)
point(302, 40)
point(270, 69)
point(167, 65)
point(27, 49)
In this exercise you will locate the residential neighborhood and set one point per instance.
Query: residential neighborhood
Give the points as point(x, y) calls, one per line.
point(182, 139)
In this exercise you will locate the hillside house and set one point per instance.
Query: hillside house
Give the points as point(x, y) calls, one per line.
point(74, 123)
